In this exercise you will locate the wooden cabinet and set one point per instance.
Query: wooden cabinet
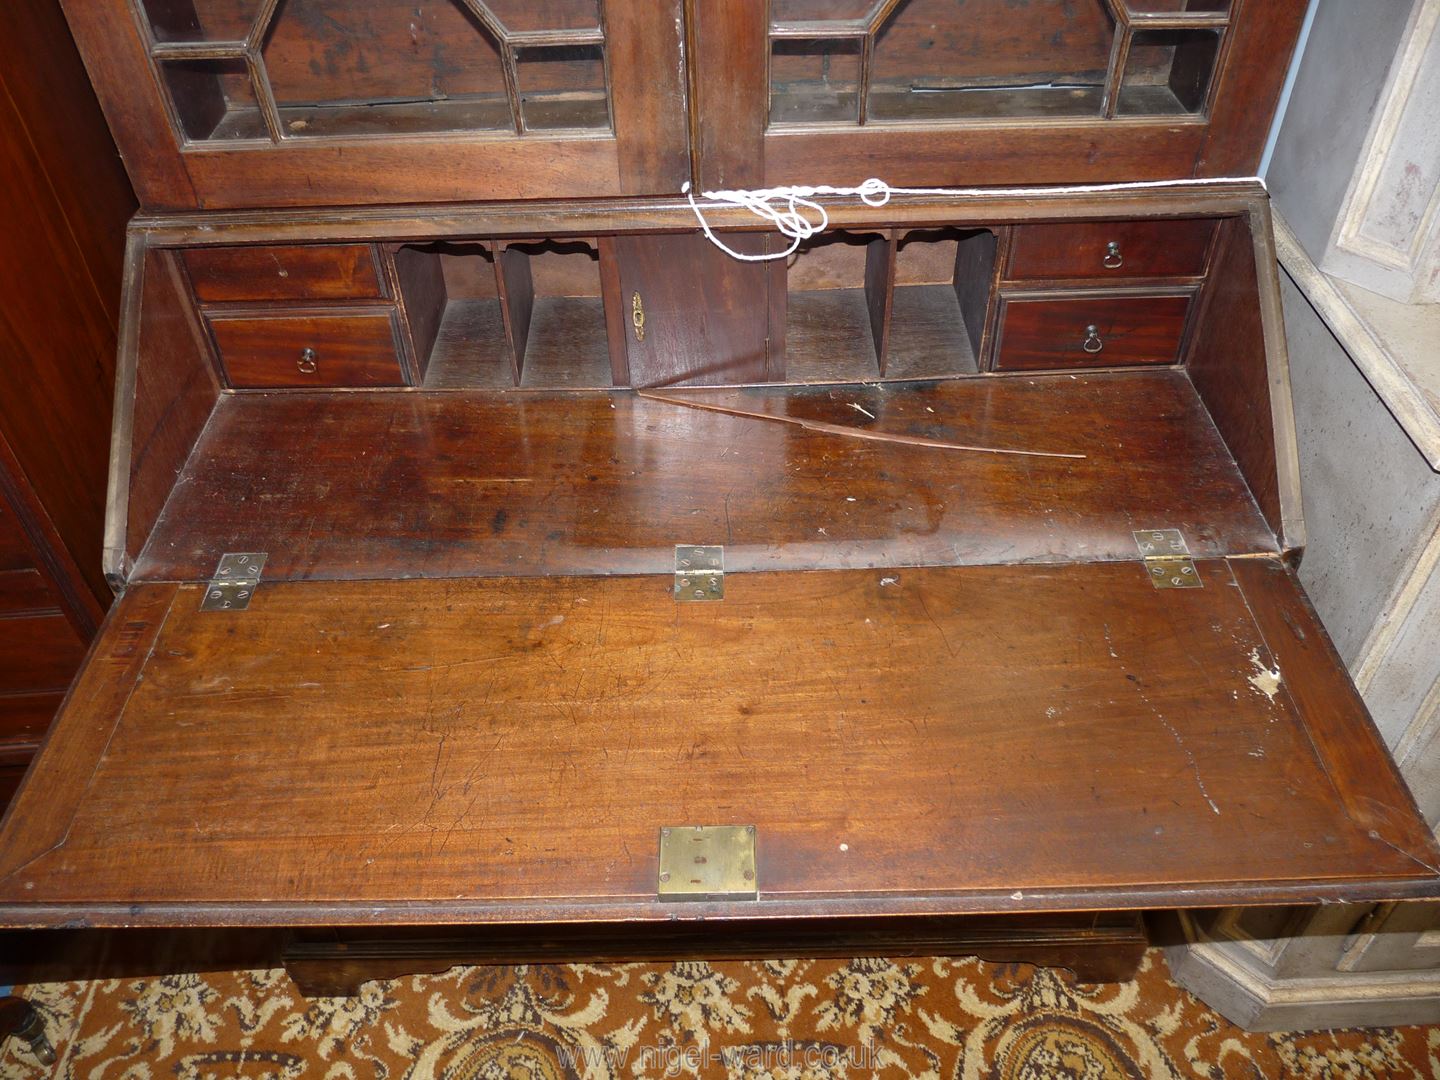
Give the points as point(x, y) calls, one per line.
point(480, 549)
point(336, 102)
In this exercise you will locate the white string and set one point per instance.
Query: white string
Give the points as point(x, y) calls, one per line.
point(786, 208)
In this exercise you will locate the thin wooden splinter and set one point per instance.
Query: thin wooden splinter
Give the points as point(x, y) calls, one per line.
point(852, 432)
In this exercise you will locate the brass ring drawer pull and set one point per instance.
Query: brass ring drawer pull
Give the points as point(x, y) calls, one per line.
point(308, 363)
point(1093, 344)
point(1113, 259)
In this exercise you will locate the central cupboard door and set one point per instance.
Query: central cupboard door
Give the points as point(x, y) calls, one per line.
point(944, 92)
point(332, 102)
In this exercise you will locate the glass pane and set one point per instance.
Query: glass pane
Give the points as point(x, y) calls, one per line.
point(815, 81)
point(1168, 72)
point(563, 87)
point(937, 60)
point(793, 11)
point(213, 99)
point(384, 67)
point(1178, 7)
point(528, 16)
point(200, 20)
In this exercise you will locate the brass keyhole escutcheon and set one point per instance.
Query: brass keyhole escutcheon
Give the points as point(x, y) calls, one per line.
point(1113, 259)
point(308, 363)
point(1093, 344)
point(637, 316)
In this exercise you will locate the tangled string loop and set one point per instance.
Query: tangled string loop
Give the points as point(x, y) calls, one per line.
point(794, 212)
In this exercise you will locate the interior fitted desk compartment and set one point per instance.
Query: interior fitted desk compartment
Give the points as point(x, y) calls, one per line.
point(942, 678)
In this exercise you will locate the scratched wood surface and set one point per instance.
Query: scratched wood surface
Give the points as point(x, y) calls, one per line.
point(455, 484)
point(499, 745)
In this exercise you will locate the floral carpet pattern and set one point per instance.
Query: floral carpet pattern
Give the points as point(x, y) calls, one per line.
point(793, 1019)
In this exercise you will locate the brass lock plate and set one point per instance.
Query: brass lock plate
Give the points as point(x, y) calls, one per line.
point(707, 862)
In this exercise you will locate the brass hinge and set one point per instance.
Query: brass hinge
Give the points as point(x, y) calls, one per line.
point(699, 572)
point(707, 862)
point(1167, 559)
point(234, 582)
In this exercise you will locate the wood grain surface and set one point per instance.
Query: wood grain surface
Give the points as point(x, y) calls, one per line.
point(413, 751)
point(460, 484)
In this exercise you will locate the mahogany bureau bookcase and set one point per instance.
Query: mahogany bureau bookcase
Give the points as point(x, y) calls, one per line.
point(508, 570)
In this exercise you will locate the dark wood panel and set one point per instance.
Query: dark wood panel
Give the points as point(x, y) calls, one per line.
point(1036, 334)
point(62, 225)
point(308, 350)
point(421, 297)
point(25, 717)
point(1227, 364)
point(174, 386)
point(1082, 249)
point(405, 171)
point(609, 483)
point(1066, 153)
point(1253, 70)
point(729, 54)
point(99, 694)
point(15, 551)
point(115, 57)
point(1101, 947)
point(1311, 672)
point(648, 88)
point(26, 590)
point(315, 272)
point(514, 747)
point(706, 315)
point(38, 652)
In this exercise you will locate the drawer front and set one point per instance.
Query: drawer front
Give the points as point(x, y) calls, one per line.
point(1109, 249)
point(1109, 331)
point(308, 350)
point(337, 272)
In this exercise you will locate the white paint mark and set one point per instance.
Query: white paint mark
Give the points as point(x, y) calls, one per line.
point(1017, 895)
point(861, 409)
point(1052, 712)
point(384, 626)
point(849, 498)
point(884, 581)
point(1266, 679)
point(844, 847)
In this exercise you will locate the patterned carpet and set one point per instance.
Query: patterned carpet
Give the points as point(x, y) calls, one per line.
point(796, 1019)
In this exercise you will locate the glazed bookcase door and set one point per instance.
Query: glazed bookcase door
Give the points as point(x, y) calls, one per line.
point(301, 102)
point(990, 91)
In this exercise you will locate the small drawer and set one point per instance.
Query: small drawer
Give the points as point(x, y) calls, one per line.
point(286, 349)
point(337, 272)
point(1109, 249)
point(1107, 331)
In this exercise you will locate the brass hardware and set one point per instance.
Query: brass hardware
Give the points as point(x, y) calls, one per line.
point(707, 862)
point(1093, 344)
point(1113, 259)
point(699, 572)
point(234, 582)
point(308, 362)
point(637, 316)
point(1167, 559)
